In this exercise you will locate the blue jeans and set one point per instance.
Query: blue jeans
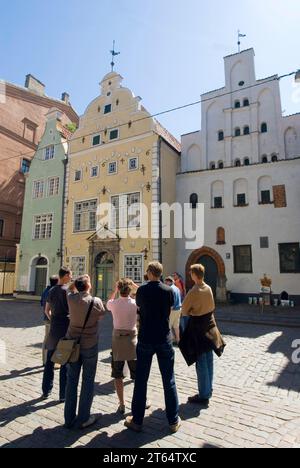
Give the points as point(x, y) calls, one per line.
point(205, 374)
point(166, 358)
point(88, 363)
point(48, 377)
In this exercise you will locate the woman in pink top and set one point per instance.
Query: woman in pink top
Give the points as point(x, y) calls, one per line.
point(124, 342)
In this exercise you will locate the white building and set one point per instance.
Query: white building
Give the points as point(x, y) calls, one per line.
point(244, 164)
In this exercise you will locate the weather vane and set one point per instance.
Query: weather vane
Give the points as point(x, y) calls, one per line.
point(113, 55)
point(239, 39)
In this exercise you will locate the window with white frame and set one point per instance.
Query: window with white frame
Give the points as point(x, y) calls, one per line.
point(78, 266)
point(53, 186)
point(38, 189)
point(125, 211)
point(133, 164)
point(96, 140)
point(42, 228)
point(114, 134)
point(78, 175)
point(112, 167)
point(85, 216)
point(49, 152)
point(95, 171)
point(133, 268)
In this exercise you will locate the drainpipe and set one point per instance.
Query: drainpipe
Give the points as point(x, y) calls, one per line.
point(160, 201)
point(65, 163)
point(4, 274)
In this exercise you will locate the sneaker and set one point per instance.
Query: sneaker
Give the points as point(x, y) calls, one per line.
point(92, 420)
point(122, 409)
point(196, 400)
point(175, 427)
point(131, 425)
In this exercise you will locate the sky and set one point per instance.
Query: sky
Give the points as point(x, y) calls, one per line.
point(171, 51)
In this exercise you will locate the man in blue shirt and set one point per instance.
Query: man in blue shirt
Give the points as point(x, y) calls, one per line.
point(53, 282)
point(176, 309)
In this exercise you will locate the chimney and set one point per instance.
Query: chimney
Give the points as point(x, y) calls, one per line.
point(34, 85)
point(65, 97)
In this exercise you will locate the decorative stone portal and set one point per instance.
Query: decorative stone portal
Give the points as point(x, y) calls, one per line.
point(215, 271)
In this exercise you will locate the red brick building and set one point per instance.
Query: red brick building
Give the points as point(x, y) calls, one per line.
point(22, 123)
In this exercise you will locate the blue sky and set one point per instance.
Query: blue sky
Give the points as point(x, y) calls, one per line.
point(171, 51)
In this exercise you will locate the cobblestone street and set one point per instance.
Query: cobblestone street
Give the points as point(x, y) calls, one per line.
point(256, 401)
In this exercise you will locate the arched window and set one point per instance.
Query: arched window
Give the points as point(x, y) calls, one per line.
point(42, 262)
point(247, 162)
point(247, 130)
point(237, 163)
point(212, 166)
point(194, 200)
point(217, 194)
point(264, 159)
point(274, 158)
point(237, 132)
point(264, 128)
point(221, 165)
point(237, 105)
point(240, 192)
point(221, 135)
point(246, 103)
point(265, 190)
point(221, 239)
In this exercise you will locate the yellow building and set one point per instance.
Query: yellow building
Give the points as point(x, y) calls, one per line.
point(122, 157)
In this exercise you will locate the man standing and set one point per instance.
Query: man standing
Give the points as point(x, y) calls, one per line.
point(53, 282)
point(57, 311)
point(155, 301)
point(176, 309)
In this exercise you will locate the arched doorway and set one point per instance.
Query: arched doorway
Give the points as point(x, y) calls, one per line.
point(215, 271)
point(41, 271)
point(104, 265)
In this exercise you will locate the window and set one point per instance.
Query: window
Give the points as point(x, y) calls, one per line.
point(266, 197)
point(194, 201)
point(247, 162)
point(264, 242)
point(133, 164)
point(78, 266)
point(112, 168)
point(221, 135)
point(107, 109)
point(49, 152)
point(43, 227)
point(85, 216)
point(237, 105)
point(125, 211)
point(1, 227)
point(221, 165)
point(246, 103)
point(238, 163)
point(237, 132)
point(241, 83)
point(289, 258)
point(264, 128)
point(242, 259)
point(25, 166)
point(133, 267)
point(38, 189)
point(264, 159)
point(78, 175)
point(274, 158)
point(241, 199)
point(114, 134)
point(212, 166)
point(246, 130)
point(221, 238)
point(218, 202)
point(53, 186)
point(96, 140)
point(95, 171)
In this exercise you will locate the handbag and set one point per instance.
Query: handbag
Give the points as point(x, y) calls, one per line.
point(68, 351)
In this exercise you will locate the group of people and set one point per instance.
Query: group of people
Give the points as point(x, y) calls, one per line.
point(146, 321)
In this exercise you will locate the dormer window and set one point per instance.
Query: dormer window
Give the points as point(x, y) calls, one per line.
point(107, 109)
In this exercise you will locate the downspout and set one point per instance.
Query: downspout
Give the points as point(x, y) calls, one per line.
point(64, 207)
point(160, 201)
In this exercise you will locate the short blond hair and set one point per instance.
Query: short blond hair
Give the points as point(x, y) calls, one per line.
point(156, 269)
point(198, 270)
point(125, 287)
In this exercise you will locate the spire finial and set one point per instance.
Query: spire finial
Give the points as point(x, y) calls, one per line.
point(113, 55)
point(239, 39)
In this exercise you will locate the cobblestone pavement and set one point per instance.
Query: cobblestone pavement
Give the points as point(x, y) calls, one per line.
point(256, 401)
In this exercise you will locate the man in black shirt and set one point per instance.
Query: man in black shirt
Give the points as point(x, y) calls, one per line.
point(154, 301)
point(57, 311)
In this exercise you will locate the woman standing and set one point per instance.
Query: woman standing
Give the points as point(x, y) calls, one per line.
point(201, 337)
point(124, 342)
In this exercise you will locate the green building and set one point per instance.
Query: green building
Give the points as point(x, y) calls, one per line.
point(40, 250)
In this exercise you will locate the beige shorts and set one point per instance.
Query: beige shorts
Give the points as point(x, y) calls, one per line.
point(175, 319)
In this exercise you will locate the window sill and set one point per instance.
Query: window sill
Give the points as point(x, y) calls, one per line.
point(269, 203)
point(241, 206)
